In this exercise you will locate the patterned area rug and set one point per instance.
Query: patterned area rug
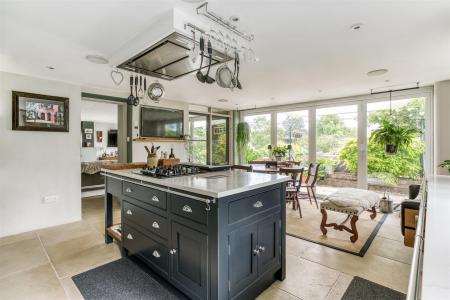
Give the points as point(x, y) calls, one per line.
point(308, 228)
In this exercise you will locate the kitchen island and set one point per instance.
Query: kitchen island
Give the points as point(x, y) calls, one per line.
point(216, 235)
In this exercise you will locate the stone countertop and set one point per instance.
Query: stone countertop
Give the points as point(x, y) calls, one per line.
point(436, 260)
point(212, 184)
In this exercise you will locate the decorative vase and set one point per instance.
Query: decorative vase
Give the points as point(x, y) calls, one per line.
point(278, 157)
point(414, 190)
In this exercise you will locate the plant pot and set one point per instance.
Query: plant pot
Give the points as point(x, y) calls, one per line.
point(278, 157)
point(414, 190)
point(391, 149)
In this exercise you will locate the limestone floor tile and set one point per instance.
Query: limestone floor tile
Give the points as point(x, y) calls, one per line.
point(71, 289)
point(37, 283)
point(17, 238)
point(21, 255)
point(307, 280)
point(86, 259)
point(393, 219)
point(391, 249)
point(275, 293)
point(57, 234)
point(339, 287)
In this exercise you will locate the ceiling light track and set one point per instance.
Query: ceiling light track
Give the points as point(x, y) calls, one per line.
point(203, 10)
point(397, 90)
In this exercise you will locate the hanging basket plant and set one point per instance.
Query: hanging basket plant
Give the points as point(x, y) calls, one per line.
point(242, 139)
point(393, 136)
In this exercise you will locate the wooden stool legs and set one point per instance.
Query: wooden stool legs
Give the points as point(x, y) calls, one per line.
point(341, 226)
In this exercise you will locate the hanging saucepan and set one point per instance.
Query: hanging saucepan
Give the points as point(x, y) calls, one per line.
point(224, 76)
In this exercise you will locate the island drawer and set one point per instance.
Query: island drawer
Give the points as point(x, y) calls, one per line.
point(146, 219)
point(138, 243)
point(189, 208)
point(249, 206)
point(148, 195)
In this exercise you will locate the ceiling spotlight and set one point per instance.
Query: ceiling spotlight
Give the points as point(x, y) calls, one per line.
point(356, 26)
point(50, 67)
point(223, 100)
point(234, 19)
point(377, 72)
point(97, 59)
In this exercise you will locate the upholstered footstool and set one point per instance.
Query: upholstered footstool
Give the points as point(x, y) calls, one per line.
point(352, 202)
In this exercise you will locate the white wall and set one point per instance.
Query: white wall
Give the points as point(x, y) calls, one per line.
point(442, 124)
point(139, 153)
point(38, 164)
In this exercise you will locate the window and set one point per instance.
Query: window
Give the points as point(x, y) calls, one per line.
point(198, 152)
point(336, 135)
point(292, 129)
point(260, 136)
point(219, 129)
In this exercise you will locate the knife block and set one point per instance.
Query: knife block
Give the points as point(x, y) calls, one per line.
point(152, 160)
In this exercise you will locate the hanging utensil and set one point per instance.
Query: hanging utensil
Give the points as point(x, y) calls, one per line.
point(224, 76)
point(199, 74)
point(233, 80)
point(130, 99)
point(238, 83)
point(193, 54)
point(136, 97)
point(140, 92)
point(208, 78)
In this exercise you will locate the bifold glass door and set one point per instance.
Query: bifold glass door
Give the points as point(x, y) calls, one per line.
point(198, 127)
point(219, 140)
point(260, 137)
point(292, 131)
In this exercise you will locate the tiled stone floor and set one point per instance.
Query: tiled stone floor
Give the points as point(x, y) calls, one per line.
point(40, 264)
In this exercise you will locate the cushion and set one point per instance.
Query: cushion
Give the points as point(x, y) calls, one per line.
point(350, 201)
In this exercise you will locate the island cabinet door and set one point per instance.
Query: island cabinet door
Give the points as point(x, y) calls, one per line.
point(268, 243)
point(189, 260)
point(242, 263)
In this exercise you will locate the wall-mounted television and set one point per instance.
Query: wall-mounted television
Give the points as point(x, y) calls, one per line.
point(112, 138)
point(161, 122)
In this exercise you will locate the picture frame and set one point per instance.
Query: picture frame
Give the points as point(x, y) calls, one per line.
point(36, 112)
point(89, 136)
point(88, 130)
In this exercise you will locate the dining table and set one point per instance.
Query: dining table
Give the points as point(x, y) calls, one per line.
point(259, 168)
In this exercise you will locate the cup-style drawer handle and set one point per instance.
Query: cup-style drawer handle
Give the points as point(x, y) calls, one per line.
point(128, 190)
point(187, 209)
point(155, 199)
point(155, 225)
point(258, 204)
point(156, 254)
point(129, 236)
point(129, 212)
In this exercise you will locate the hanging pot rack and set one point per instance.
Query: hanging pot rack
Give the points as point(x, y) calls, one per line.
point(203, 11)
point(396, 90)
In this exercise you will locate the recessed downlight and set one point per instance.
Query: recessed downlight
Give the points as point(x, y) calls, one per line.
point(97, 59)
point(50, 67)
point(356, 26)
point(234, 19)
point(223, 100)
point(377, 72)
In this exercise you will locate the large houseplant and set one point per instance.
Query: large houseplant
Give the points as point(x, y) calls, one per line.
point(393, 135)
point(279, 151)
point(242, 140)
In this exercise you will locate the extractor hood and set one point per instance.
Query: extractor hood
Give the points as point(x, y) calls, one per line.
point(166, 57)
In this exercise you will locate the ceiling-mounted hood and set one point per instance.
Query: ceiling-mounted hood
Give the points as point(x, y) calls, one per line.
point(162, 50)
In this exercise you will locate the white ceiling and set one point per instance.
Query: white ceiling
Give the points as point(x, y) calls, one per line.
point(306, 49)
point(101, 112)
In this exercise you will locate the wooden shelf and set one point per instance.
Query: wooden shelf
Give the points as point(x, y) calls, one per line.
point(114, 234)
point(167, 140)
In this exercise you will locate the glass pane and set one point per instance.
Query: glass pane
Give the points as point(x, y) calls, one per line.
point(393, 173)
point(259, 137)
point(197, 152)
point(219, 129)
point(292, 129)
point(337, 146)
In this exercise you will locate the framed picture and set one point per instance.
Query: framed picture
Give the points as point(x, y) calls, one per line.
point(89, 136)
point(88, 130)
point(34, 112)
point(99, 136)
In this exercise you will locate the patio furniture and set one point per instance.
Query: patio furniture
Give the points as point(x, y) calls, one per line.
point(311, 180)
point(248, 168)
point(293, 186)
point(352, 202)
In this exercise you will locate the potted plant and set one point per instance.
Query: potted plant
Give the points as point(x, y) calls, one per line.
point(393, 135)
point(279, 152)
point(242, 140)
point(446, 164)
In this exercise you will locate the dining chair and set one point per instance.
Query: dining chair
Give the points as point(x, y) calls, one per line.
point(310, 182)
point(293, 186)
point(242, 167)
point(257, 162)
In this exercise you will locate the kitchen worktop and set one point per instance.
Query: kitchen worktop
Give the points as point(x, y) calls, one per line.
point(212, 184)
